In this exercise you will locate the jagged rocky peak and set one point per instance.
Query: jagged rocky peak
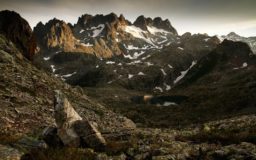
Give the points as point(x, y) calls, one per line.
point(122, 20)
point(17, 30)
point(83, 20)
point(103, 19)
point(233, 34)
point(142, 22)
point(200, 37)
point(52, 23)
point(88, 21)
point(55, 33)
point(164, 24)
point(186, 35)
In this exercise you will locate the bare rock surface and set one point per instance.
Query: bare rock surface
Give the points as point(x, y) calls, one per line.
point(71, 128)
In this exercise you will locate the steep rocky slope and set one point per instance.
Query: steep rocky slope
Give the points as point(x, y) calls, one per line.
point(27, 97)
point(17, 29)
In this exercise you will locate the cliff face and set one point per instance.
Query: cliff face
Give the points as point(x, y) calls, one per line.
point(143, 23)
point(57, 35)
point(17, 30)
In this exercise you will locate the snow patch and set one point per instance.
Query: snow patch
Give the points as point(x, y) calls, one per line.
point(135, 55)
point(53, 68)
point(171, 67)
point(128, 56)
point(149, 63)
point(146, 57)
point(97, 30)
point(154, 30)
point(206, 39)
point(110, 62)
point(141, 74)
point(183, 73)
point(163, 41)
point(131, 47)
point(168, 43)
point(159, 88)
point(164, 73)
point(180, 48)
point(68, 75)
point(47, 58)
point(130, 76)
point(137, 33)
point(167, 87)
point(166, 104)
point(87, 44)
point(245, 64)
point(81, 31)
point(134, 62)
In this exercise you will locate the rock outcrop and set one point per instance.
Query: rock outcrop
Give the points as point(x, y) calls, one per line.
point(17, 30)
point(56, 35)
point(164, 24)
point(72, 129)
point(143, 22)
point(228, 55)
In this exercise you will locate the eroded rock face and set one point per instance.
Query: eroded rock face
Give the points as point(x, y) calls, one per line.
point(142, 22)
point(17, 30)
point(57, 35)
point(71, 128)
point(64, 113)
point(89, 133)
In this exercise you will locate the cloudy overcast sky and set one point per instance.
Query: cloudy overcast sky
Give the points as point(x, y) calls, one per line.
point(196, 16)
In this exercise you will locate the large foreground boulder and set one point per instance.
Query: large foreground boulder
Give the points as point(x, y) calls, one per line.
point(72, 129)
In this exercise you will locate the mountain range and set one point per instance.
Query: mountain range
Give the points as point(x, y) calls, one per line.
point(151, 93)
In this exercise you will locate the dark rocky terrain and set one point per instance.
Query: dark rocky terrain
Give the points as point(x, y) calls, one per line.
point(251, 41)
point(184, 96)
